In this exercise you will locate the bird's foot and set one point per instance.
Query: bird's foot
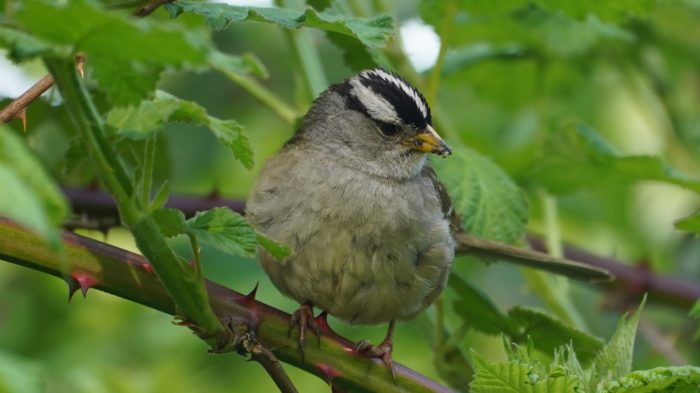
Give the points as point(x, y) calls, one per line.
point(381, 351)
point(303, 317)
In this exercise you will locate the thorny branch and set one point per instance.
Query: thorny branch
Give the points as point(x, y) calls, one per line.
point(17, 108)
point(130, 276)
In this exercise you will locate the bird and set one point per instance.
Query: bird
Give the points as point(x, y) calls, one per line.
point(354, 197)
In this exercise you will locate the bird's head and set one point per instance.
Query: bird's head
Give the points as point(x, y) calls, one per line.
point(376, 122)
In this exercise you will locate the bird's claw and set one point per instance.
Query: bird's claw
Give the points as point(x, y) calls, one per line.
point(381, 351)
point(304, 317)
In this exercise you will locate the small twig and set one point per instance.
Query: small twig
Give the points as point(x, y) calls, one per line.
point(16, 108)
point(150, 6)
point(267, 359)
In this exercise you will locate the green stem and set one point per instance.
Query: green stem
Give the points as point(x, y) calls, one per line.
point(264, 95)
point(307, 58)
point(554, 291)
point(182, 283)
point(444, 31)
point(196, 254)
point(149, 160)
point(127, 275)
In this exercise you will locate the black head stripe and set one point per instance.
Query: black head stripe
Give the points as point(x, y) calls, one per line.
point(409, 103)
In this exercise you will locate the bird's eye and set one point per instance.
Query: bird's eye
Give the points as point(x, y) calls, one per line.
point(389, 129)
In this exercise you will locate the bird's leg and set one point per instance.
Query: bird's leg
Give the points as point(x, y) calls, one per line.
point(382, 351)
point(304, 317)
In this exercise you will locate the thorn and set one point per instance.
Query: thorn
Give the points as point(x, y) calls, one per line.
point(329, 372)
point(80, 62)
point(82, 280)
point(22, 115)
point(249, 299)
point(147, 267)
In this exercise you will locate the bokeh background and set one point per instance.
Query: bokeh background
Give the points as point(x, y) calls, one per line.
point(515, 74)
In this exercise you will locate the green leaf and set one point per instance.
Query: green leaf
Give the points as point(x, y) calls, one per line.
point(357, 56)
point(372, 32)
point(578, 157)
point(148, 118)
point(161, 197)
point(516, 377)
point(690, 223)
point(615, 360)
point(126, 55)
point(489, 203)
point(29, 194)
point(225, 230)
point(171, 222)
point(684, 379)
point(549, 333)
point(477, 309)
point(277, 250)
point(22, 46)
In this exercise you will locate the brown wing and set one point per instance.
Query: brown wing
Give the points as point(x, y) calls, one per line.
point(445, 202)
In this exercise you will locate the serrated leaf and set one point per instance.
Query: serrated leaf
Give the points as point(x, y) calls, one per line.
point(372, 32)
point(171, 222)
point(126, 55)
point(578, 157)
point(684, 379)
point(477, 309)
point(276, 249)
point(519, 378)
point(357, 56)
point(487, 200)
point(549, 333)
point(225, 230)
point(615, 359)
point(148, 118)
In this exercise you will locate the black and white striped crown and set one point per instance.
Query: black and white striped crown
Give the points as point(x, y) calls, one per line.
point(386, 97)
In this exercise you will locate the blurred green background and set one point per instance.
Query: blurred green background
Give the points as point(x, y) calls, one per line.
point(515, 75)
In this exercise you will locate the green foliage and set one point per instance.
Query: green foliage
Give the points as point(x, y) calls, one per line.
point(580, 157)
point(615, 360)
point(520, 324)
point(29, 195)
point(221, 228)
point(690, 223)
point(516, 377)
point(609, 374)
point(658, 380)
point(224, 229)
point(149, 117)
point(128, 73)
point(512, 72)
point(488, 202)
point(371, 32)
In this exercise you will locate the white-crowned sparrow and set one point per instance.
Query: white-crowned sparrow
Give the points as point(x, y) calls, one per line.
point(353, 196)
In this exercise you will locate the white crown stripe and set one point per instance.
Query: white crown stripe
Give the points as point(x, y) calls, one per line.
point(377, 107)
point(408, 89)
